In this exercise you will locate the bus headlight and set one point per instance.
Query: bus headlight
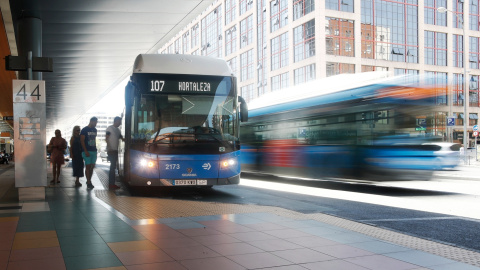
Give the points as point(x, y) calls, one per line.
point(227, 163)
point(147, 163)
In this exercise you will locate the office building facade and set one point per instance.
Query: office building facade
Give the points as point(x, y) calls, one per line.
point(271, 45)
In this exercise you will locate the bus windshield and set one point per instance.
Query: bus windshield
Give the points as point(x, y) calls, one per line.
point(176, 120)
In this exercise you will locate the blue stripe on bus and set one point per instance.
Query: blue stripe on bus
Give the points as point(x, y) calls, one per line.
point(183, 166)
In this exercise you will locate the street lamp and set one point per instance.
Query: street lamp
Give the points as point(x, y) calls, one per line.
point(465, 89)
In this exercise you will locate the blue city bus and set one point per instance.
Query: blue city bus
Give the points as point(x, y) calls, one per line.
point(181, 122)
point(353, 126)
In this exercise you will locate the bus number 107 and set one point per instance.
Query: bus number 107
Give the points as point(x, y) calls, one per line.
point(156, 85)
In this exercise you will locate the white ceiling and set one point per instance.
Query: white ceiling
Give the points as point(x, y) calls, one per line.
point(94, 43)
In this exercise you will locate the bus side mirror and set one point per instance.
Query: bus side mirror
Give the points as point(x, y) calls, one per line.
point(243, 109)
point(129, 89)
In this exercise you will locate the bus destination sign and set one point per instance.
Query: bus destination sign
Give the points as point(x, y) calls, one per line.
point(178, 84)
point(194, 86)
point(158, 85)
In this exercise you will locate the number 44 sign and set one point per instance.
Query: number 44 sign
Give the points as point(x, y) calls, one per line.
point(28, 91)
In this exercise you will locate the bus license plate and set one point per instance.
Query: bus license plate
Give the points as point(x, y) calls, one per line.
point(185, 182)
point(202, 182)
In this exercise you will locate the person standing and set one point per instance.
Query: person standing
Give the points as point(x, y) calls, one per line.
point(3, 157)
point(76, 155)
point(88, 140)
point(113, 135)
point(57, 147)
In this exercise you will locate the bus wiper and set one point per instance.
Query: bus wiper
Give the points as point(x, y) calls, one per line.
point(156, 135)
point(210, 135)
point(174, 138)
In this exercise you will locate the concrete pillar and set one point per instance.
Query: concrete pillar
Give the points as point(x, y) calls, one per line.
point(29, 38)
point(30, 167)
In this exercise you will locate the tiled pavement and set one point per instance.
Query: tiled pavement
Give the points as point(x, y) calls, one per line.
point(80, 229)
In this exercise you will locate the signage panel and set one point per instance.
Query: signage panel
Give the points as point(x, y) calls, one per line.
point(450, 121)
point(29, 133)
point(183, 84)
point(28, 91)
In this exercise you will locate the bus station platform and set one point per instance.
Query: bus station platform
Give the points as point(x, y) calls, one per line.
point(77, 228)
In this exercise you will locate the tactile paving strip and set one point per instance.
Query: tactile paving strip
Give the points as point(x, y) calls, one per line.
point(155, 208)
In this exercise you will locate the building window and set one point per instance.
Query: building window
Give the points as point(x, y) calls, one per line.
point(401, 71)
point(170, 49)
point(246, 66)
point(304, 41)
point(435, 48)
point(432, 16)
point(262, 52)
point(373, 68)
point(245, 5)
point(246, 31)
point(280, 81)
point(212, 33)
point(473, 92)
point(247, 92)
point(439, 125)
point(440, 82)
point(195, 36)
point(473, 119)
point(230, 40)
point(178, 46)
point(278, 14)
point(458, 119)
point(339, 68)
point(457, 51)
point(304, 74)
point(230, 11)
point(390, 30)
point(474, 15)
point(233, 65)
point(302, 8)
point(407, 79)
point(458, 12)
point(340, 5)
point(186, 42)
point(339, 37)
point(474, 52)
point(457, 91)
point(279, 48)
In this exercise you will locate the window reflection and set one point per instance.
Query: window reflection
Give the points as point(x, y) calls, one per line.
point(390, 30)
point(339, 37)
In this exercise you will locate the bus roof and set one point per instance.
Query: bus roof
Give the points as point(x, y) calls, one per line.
point(181, 64)
point(345, 87)
point(319, 87)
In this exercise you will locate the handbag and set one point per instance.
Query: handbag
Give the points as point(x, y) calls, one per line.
point(49, 148)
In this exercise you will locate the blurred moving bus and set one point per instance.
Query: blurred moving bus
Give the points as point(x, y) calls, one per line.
point(350, 126)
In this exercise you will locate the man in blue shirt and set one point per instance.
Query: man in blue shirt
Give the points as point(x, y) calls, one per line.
point(88, 137)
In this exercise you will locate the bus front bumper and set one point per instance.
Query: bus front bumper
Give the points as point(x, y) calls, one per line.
point(137, 181)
